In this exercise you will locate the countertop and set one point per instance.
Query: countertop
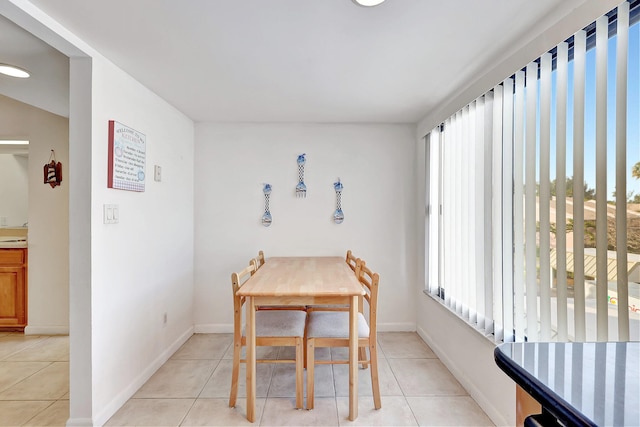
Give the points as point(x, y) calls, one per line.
point(13, 242)
point(582, 384)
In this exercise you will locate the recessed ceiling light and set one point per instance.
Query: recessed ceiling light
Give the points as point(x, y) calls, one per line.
point(13, 142)
point(13, 71)
point(368, 3)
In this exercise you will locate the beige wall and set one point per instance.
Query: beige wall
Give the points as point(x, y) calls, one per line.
point(48, 214)
point(13, 190)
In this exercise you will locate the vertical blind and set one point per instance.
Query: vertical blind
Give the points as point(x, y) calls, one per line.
point(517, 243)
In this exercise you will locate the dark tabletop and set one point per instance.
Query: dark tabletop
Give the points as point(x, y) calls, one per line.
point(591, 384)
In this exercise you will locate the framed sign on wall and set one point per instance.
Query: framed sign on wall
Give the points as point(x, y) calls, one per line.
point(127, 158)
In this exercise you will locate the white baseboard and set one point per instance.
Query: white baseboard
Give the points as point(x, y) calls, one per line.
point(487, 406)
point(46, 330)
point(397, 327)
point(117, 402)
point(79, 422)
point(225, 328)
point(214, 328)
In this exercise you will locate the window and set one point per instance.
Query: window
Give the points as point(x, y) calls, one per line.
point(533, 195)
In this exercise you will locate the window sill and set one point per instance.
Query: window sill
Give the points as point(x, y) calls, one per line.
point(489, 337)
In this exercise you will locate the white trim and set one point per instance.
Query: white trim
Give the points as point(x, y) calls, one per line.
point(122, 397)
point(397, 327)
point(226, 328)
point(214, 328)
point(47, 330)
point(486, 405)
point(79, 422)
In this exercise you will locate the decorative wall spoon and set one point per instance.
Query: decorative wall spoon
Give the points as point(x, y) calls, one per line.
point(266, 217)
point(338, 215)
point(301, 189)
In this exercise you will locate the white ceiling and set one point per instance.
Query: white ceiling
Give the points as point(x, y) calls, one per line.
point(48, 86)
point(294, 60)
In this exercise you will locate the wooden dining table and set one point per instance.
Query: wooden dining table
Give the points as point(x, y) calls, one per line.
point(302, 281)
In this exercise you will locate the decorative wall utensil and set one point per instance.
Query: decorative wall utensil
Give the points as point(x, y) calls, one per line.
point(338, 215)
point(266, 217)
point(301, 188)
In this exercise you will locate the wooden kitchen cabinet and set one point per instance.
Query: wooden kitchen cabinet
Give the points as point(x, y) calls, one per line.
point(13, 289)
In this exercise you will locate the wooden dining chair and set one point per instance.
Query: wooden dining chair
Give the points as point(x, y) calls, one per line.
point(331, 329)
point(351, 260)
point(273, 328)
point(260, 259)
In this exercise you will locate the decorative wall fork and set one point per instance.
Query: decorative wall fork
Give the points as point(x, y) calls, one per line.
point(301, 189)
point(266, 217)
point(338, 215)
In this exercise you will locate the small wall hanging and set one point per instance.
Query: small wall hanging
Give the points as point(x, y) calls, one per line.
point(53, 171)
point(266, 217)
point(301, 188)
point(338, 215)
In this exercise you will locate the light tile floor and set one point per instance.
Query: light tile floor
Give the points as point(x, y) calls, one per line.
point(34, 380)
point(192, 388)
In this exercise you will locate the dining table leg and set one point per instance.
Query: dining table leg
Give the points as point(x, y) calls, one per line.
point(353, 359)
point(251, 359)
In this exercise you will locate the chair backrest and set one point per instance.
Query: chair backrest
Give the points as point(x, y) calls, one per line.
point(257, 261)
point(370, 282)
point(237, 280)
point(351, 260)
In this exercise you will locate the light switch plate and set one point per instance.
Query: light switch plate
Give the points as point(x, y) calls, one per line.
point(157, 173)
point(111, 214)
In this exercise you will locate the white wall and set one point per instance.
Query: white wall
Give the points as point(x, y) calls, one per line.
point(376, 166)
point(48, 214)
point(123, 278)
point(14, 189)
point(469, 357)
point(142, 267)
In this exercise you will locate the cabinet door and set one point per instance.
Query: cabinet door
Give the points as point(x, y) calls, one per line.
point(12, 296)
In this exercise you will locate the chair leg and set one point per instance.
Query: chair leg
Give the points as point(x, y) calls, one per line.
point(304, 348)
point(310, 372)
point(299, 372)
point(375, 386)
point(235, 372)
point(362, 355)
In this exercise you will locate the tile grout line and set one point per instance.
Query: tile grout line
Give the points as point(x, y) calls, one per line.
point(36, 340)
point(39, 412)
point(206, 382)
point(25, 378)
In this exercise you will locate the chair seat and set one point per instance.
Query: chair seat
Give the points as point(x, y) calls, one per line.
point(280, 323)
point(334, 324)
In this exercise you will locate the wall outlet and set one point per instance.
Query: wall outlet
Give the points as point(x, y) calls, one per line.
point(157, 173)
point(3, 221)
point(164, 319)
